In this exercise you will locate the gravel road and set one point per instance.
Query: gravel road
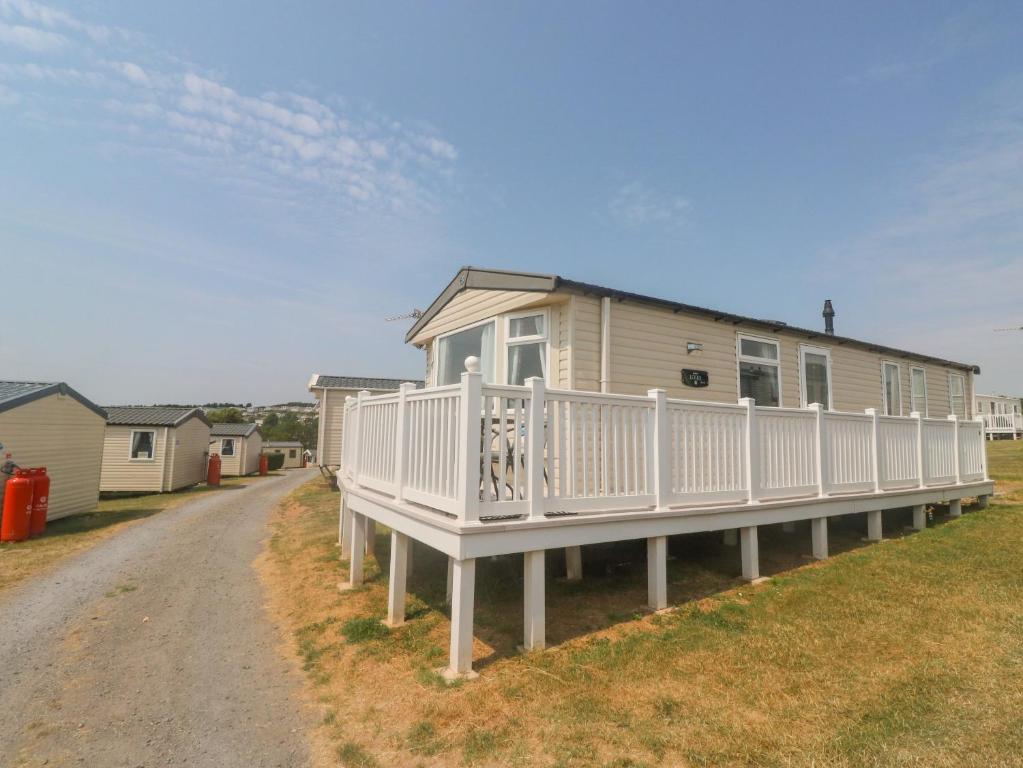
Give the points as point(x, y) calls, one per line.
point(154, 648)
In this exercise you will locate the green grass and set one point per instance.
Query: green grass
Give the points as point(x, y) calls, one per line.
point(907, 652)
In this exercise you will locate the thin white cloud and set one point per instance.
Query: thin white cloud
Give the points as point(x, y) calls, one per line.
point(8, 97)
point(636, 205)
point(31, 38)
point(316, 149)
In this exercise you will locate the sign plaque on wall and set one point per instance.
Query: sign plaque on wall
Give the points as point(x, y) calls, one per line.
point(694, 378)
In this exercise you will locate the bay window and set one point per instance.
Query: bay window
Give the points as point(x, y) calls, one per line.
point(759, 371)
point(527, 347)
point(452, 350)
point(891, 386)
point(815, 375)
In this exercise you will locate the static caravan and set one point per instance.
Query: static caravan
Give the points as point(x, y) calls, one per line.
point(291, 449)
point(154, 448)
point(1001, 414)
point(239, 446)
point(560, 414)
point(51, 425)
point(330, 393)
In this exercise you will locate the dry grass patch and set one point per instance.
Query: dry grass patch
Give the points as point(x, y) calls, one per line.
point(905, 653)
point(64, 537)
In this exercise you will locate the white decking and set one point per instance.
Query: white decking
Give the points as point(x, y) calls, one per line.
point(1003, 425)
point(475, 470)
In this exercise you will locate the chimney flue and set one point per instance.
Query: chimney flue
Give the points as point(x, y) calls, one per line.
point(829, 318)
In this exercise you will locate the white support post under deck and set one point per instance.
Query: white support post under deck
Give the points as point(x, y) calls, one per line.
point(875, 525)
point(355, 567)
point(819, 537)
point(955, 508)
point(919, 517)
point(370, 528)
point(534, 574)
point(573, 563)
point(397, 582)
point(657, 572)
point(750, 553)
point(344, 528)
point(463, 593)
point(451, 578)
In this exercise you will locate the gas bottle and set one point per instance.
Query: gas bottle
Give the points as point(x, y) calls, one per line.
point(213, 470)
point(264, 464)
point(40, 501)
point(17, 516)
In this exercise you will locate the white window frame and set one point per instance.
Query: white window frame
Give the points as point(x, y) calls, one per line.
point(533, 339)
point(741, 358)
point(435, 373)
point(824, 352)
point(884, 389)
point(131, 442)
point(234, 446)
point(912, 404)
point(951, 402)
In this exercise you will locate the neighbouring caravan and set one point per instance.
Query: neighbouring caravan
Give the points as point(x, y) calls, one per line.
point(238, 446)
point(154, 448)
point(330, 393)
point(291, 449)
point(1001, 414)
point(586, 337)
point(51, 425)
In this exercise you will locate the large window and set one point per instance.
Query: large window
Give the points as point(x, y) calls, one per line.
point(957, 394)
point(452, 350)
point(892, 389)
point(227, 446)
point(527, 347)
point(759, 372)
point(918, 390)
point(142, 442)
point(815, 375)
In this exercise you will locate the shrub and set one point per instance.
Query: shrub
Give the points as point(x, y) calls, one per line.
point(275, 461)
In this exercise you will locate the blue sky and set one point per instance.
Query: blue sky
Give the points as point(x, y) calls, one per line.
point(213, 200)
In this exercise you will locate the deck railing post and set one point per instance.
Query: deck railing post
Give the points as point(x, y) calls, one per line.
point(535, 433)
point(983, 447)
point(820, 452)
point(920, 461)
point(752, 449)
point(661, 444)
point(470, 412)
point(955, 447)
point(359, 435)
point(401, 440)
point(875, 428)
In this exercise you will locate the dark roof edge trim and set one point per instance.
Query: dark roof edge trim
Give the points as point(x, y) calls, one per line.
point(597, 290)
point(487, 280)
point(60, 388)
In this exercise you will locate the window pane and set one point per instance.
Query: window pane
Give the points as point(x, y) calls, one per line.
point(919, 403)
point(957, 388)
point(754, 348)
point(526, 361)
point(759, 382)
point(142, 445)
point(815, 373)
point(525, 326)
point(227, 447)
point(453, 350)
point(893, 396)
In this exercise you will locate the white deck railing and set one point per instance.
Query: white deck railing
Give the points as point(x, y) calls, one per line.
point(471, 450)
point(1003, 423)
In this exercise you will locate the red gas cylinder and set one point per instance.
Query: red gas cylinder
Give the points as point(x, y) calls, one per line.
point(264, 463)
point(17, 516)
point(40, 501)
point(213, 471)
